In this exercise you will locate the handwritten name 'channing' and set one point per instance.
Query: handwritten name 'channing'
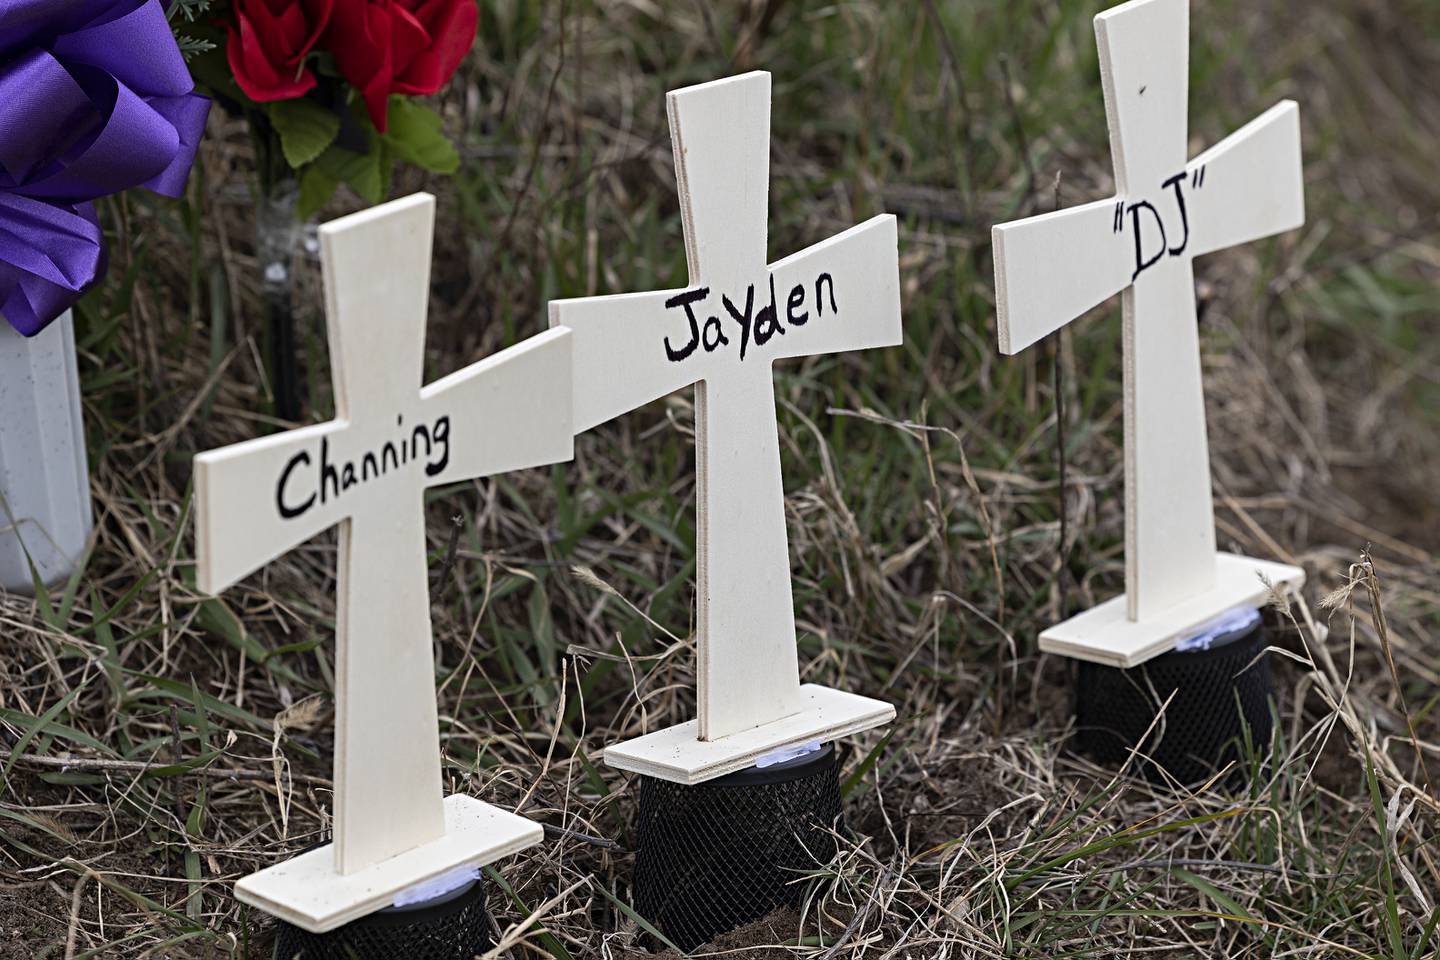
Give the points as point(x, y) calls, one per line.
point(747, 325)
point(306, 481)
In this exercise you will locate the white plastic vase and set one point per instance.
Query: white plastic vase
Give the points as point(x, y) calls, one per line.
point(45, 514)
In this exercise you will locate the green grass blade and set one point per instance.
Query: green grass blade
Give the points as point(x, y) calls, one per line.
point(38, 727)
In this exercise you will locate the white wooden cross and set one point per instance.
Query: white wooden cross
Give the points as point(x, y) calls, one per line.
point(367, 471)
point(1052, 268)
point(722, 333)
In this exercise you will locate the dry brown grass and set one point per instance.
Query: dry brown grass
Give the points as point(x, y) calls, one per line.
point(922, 497)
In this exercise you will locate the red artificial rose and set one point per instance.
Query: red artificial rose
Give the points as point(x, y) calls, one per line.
point(269, 43)
point(399, 46)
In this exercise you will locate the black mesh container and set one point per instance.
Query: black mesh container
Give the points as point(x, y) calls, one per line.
point(720, 854)
point(453, 927)
point(1218, 693)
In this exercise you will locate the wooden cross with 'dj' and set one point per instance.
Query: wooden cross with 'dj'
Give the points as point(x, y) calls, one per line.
point(1052, 268)
point(367, 472)
point(722, 333)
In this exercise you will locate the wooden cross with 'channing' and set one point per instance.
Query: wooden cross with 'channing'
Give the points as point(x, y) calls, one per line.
point(1141, 243)
point(722, 333)
point(367, 472)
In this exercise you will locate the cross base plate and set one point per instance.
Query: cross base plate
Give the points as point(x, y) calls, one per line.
point(308, 892)
point(1105, 634)
point(678, 755)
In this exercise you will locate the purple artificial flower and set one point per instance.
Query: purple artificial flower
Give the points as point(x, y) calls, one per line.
point(95, 98)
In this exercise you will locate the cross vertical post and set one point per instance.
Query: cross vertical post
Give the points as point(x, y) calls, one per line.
point(722, 158)
point(722, 333)
point(378, 660)
point(1141, 244)
point(1144, 60)
point(366, 472)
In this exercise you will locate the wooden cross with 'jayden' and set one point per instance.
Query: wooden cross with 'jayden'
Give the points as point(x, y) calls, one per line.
point(722, 333)
point(1052, 268)
point(367, 471)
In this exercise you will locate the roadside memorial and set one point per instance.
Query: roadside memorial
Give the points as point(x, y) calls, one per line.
point(1190, 608)
point(68, 72)
point(733, 802)
point(402, 870)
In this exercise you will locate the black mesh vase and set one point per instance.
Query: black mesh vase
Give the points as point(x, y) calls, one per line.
point(1219, 692)
point(717, 855)
point(455, 926)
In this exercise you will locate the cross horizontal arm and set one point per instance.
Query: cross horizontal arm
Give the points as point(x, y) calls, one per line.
point(1257, 174)
point(243, 493)
point(510, 411)
point(616, 342)
point(840, 294)
point(1052, 268)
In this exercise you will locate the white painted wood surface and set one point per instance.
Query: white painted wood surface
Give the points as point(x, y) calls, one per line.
point(1106, 634)
point(841, 294)
point(367, 471)
point(309, 892)
point(1052, 268)
point(679, 755)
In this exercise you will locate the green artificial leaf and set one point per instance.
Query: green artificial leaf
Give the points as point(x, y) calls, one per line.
point(316, 189)
point(415, 135)
point(306, 129)
point(362, 171)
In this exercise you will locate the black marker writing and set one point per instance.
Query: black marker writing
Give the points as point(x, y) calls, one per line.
point(794, 302)
point(684, 300)
point(767, 321)
point(756, 328)
point(712, 325)
point(742, 318)
point(1144, 260)
point(820, 282)
point(286, 511)
point(329, 480)
point(1141, 264)
point(1178, 182)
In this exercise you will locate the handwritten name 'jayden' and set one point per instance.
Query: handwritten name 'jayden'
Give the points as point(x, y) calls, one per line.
point(759, 327)
point(326, 481)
